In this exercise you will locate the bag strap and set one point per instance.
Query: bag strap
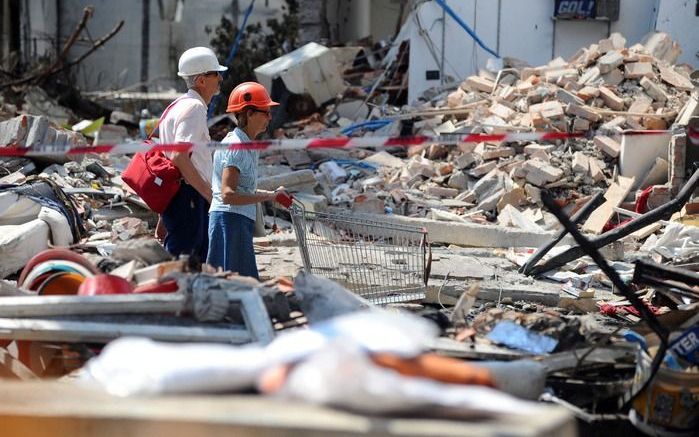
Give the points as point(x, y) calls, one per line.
point(162, 116)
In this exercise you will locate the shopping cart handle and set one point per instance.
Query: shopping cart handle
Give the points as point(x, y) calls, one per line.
point(284, 199)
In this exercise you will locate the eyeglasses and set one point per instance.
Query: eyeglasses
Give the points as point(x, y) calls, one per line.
point(212, 73)
point(261, 111)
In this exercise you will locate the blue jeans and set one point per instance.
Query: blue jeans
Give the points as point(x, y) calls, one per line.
point(186, 220)
point(230, 237)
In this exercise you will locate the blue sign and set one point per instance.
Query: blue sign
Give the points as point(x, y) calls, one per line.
point(575, 9)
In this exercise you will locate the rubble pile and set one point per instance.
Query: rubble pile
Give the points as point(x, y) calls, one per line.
point(606, 88)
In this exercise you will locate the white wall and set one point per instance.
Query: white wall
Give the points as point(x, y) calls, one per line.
point(677, 18)
point(526, 30)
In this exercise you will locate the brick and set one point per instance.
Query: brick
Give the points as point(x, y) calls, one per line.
point(653, 90)
point(501, 111)
point(540, 173)
point(478, 83)
point(552, 109)
point(654, 123)
point(583, 112)
point(610, 99)
point(614, 124)
point(588, 92)
point(515, 197)
point(637, 70)
point(456, 98)
point(533, 192)
point(640, 105)
point(607, 145)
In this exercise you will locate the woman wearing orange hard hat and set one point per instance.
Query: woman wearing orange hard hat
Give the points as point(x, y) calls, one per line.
point(235, 194)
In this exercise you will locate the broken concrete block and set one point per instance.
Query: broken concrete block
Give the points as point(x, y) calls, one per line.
point(442, 192)
point(567, 97)
point(478, 83)
point(483, 169)
point(581, 163)
point(637, 70)
point(36, 131)
point(501, 111)
point(437, 152)
point(458, 180)
point(659, 196)
point(508, 93)
point(615, 42)
point(607, 145)
point(582, 112)
point(613, 78)
point(614, 124)
point(653, 90)
point(334, 173)
point(384, 159)
point(465, 160)
point(368, 203)
point(610, 61)
point(610, 99)
point(540, 173)
point(419, 166)
point(533, 192)
point(654, 123)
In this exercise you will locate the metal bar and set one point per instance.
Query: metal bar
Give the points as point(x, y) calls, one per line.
point(53, 330)
point(582, 214)
point(644, 220)
point(591, 250)
point(47, 306)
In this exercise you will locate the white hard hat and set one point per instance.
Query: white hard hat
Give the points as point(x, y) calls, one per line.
point(198, 60)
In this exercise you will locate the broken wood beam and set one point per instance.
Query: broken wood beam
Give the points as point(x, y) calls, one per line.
point(661, 213)
point(582, 214)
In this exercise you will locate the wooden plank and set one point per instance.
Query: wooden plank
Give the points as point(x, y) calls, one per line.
point(616, 194)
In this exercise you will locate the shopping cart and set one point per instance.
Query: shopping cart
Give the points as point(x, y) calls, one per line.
point(382, 262)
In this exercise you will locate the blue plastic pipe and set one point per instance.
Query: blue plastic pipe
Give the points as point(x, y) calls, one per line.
point(231, 56)
point(463, 24)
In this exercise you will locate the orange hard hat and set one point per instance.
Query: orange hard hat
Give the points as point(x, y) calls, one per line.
point(249, 94)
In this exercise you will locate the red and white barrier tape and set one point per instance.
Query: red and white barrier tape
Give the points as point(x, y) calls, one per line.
point(306, 143)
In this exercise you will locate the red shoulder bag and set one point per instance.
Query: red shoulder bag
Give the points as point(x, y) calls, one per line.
point(152, 175)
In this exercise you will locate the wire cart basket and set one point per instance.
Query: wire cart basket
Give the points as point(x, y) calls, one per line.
point(382, 262)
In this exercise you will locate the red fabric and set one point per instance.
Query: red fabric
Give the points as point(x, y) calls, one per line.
point(642, 201)
point(612, 310)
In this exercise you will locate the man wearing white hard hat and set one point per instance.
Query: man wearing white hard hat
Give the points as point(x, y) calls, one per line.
point(183, 227)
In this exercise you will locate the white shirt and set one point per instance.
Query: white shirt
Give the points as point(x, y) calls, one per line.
point(186, 122)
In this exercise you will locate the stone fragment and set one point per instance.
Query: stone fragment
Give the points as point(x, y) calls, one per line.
point(478, 83)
